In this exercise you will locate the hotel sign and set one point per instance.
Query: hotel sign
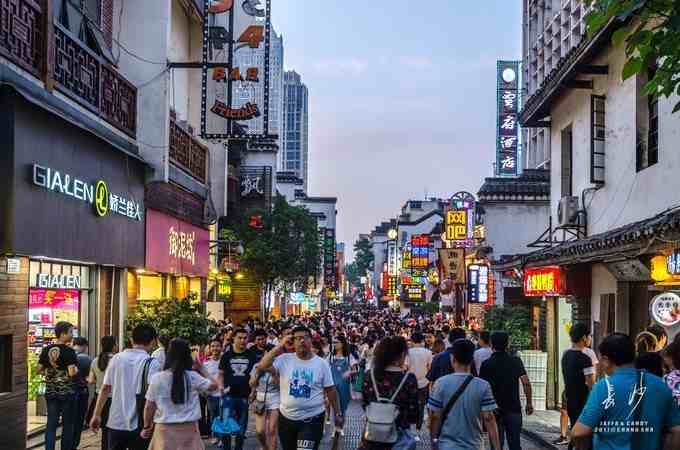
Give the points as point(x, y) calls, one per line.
point(544, 281)
point(508, 102)
point(96, 194)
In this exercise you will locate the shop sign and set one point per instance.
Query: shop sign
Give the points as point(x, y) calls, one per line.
point(460, 220)
point(414, 292)
point(392, 288)
point(507, 125)
point(392, 258)
point(665, 309)
point(543, 281)
point(673, 263)
point(224, 288)
point(330, 259)
point(47, 281)
point(13, 265)
point(420, 251)
point(176, 247)
point(478, 283)
point(453, 264)
point(97, 194)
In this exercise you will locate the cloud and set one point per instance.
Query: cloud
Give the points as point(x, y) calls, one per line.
point(341, 67)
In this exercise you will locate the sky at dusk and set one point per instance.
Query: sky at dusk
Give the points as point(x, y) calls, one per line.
point(402, 97)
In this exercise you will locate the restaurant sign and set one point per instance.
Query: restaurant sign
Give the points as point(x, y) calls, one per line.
point(508, 102)
point(176, 247)
point(543, 281)
point(478, 283)
point(95, 193)
point(665, 309)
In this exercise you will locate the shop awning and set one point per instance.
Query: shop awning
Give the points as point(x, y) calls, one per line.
point(632, 240)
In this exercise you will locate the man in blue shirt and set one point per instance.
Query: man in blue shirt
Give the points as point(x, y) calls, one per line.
point(629, 409)
point(442, 363)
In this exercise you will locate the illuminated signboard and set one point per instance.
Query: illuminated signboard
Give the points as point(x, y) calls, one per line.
point(330, 259)
point(392, 288)
point(235, 69)
point(392, 258)
point(460, 220)
point(665, 309)
point(543, 281)
point(507, 125)
point(420, 251)
point(673, 263)
point(414, 292)
point(478, 283)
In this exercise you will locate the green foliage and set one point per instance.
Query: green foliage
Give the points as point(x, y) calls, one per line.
point(431, 307)
point(175, 318)
point(352, 274)
point(514, 320)
point(650, 31)
point(36, 382)
point(363, 256)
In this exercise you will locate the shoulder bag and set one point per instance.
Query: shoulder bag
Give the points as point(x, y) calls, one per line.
point(450, 404)
point(141, 397)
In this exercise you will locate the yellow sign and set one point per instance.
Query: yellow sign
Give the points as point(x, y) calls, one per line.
point(101, 198)
point(456, 225)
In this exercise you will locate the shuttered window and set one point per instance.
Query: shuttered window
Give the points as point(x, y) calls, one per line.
point(597, 139)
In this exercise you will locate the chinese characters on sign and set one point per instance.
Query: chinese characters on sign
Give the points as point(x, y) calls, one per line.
point(460, 220)
point(508, 118)
point(329, 259)
point(392, 258)
point(452, 262)
point(236, 46)
point(182, 245)
point(392, 286)
point(673, 263)
point(543, 281)
point(456, 224)
point(420, 251)
point(478, 283)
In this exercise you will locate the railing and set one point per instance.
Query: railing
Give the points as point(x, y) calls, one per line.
point(78, 72)
point(186, 152)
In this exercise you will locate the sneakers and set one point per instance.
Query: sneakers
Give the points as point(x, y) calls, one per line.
point(416, 438)
point(562, 440)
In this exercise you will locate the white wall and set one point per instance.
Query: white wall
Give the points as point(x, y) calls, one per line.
point(424, 227)
point(510, 227)
point(627, 195)
point(603, 282)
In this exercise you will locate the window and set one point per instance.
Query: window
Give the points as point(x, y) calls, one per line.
point(566, 167)
point(647, 145)
point(82, 18)
point(597, 138)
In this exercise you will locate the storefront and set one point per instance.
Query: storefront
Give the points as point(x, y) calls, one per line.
point(177, 260)
point(73, 226)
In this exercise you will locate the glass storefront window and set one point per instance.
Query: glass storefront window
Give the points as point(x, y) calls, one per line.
point(151, 287)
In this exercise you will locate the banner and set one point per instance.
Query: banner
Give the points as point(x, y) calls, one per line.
point(507, 123)
point(453, 264)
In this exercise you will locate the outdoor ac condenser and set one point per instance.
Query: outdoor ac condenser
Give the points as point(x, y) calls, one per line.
point(567, 211)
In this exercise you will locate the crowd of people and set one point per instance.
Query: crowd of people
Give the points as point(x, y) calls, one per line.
point(298, 376)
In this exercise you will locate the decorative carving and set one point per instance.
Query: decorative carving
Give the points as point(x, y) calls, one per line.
point(119, 100)
point(22, 33)
point(186, 152)
point(76, 69)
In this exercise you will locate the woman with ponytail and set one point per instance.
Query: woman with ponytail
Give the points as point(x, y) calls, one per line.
point(172, 407)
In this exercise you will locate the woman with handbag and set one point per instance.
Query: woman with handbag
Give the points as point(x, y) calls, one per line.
point(172, 408)
point(266, 397)
point(389, 381)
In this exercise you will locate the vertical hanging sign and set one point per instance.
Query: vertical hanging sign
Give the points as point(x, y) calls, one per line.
point(507, 128)
point(235, 69)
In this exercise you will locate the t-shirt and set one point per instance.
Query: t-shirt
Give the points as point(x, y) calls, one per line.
point(481, 355)
point(503, 372)
point(124, 375)
point(419, 360)
point(302, 384)
point(159, 355)
point(259, 353)
point(56, 359)
point(576, 365)
point(212, 368)
point(237, 368)
point(168, 412)
point(441, 365)
point(462, 427)
point(609, 413)
point(84, 364)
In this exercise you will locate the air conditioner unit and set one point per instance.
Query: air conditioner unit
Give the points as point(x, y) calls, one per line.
point(567, 211)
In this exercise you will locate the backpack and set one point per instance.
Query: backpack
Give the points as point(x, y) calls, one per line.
point(381, 415)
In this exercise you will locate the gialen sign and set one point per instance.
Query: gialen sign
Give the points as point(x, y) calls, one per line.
point(97, 194)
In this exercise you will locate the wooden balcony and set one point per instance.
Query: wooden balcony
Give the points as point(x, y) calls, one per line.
point(37, 43)
point(186, 152)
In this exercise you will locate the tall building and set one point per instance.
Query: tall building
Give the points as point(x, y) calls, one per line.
point(249, 92)
point(294, 155)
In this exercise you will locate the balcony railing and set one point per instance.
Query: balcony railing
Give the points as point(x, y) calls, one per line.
point(186, 152)
point(78, 72)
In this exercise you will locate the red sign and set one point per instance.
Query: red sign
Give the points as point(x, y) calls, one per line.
point(544, 281)
point(176, 247)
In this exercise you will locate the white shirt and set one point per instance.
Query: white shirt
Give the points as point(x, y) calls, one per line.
point(168, 412)
point(481, 355)
point(592, 355)
point(302, 384)
point(212, 368)
point(419, 360)
point(124, 375)
point(159, 354)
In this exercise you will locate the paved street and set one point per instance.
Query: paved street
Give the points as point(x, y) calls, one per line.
point(353, 428)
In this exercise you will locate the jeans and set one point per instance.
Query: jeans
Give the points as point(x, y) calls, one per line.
point(301, 434)
point(239, 410)
point(422, 401)
point(213, 409)
point(510, 427)
point(63, 406)
point(127, 440)
point(82, 397)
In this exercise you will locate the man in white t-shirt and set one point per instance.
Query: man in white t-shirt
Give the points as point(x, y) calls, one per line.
point(212, 369)
point(419, 360)
point(304, 380)
point(484, 351)
point(127, 376)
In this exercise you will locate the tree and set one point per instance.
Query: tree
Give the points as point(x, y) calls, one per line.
point(650, 30)
point(515, 320)
point(352, 274)
point(363, 256)
point(282, 251)
point(175, 318)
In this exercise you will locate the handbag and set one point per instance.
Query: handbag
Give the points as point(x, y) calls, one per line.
point(261, 405)
point(225, 425)
point(450, 404)
point(381, 415)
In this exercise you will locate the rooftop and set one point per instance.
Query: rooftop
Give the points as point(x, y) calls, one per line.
point(532, 184)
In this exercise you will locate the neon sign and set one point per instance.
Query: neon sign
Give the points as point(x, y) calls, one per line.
point(543, 281)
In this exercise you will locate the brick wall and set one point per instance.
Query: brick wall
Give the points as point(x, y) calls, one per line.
point(107, 20)
point(14, 322)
